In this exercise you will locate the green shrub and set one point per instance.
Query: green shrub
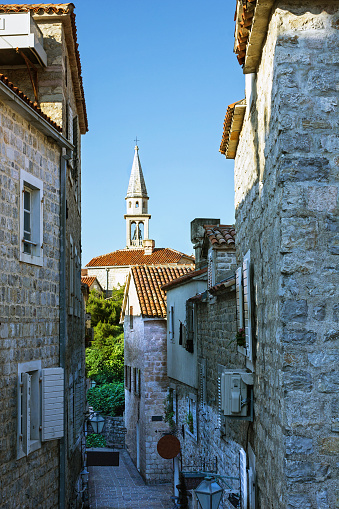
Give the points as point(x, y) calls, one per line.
point(95, 440)
point(107, 399)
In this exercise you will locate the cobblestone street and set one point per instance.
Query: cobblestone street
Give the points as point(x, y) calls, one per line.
point(123, 488)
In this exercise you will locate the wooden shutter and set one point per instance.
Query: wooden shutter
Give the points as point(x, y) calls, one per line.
point(190, 326)
point(247, 304)
point(26, 412)
point(52, 403)
point(251, 488)
point(243, 480)
point(210, 268)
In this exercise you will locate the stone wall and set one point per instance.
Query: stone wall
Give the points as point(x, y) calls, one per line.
point(213, 448)
point(29, 307)
point(145, 349)
point(115, 432)
point(286, 183)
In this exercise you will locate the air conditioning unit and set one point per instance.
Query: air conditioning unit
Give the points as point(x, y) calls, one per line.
point(19, 30)
point(234, 392)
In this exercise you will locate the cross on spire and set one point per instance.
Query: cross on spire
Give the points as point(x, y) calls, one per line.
point(136, 140)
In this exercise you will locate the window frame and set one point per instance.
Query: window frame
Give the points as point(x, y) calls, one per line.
point(35, 187)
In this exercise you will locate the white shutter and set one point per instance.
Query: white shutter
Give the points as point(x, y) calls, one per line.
point(251, 489)
point(202, 384)
point(52, 403)
point(26, 412)
point(243, 480)
point(247, 304)
point(239, 294)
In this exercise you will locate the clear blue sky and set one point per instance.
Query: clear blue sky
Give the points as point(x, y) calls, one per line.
point(164, 71)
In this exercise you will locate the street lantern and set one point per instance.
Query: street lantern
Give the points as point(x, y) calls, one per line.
point(209, 493)
point(97, 422)
point(84, 475)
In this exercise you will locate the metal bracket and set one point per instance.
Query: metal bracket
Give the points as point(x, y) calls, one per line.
point(33, 75)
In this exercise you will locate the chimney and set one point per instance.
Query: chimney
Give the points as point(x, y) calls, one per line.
point(197, 237)
point(148, 246)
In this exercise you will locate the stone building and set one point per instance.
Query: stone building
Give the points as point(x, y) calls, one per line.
point(200, 347)
point(144, 317)
point(42, 378)
point(274, 323)
point(286, 202)
point(113, 268)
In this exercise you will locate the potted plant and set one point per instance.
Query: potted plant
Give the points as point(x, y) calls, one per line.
point(241, 337)
point(169, 411)
point(189, 422)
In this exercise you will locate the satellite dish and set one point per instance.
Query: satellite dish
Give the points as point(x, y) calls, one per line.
point(168, 447)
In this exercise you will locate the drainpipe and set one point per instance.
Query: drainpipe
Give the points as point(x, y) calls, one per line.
point(63, 323)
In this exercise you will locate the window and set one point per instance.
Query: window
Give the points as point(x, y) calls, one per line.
point(31, 219)
point(40, 406)
point(245, 304)
point(171, 323)
point(136, 204)
point(191, 417)
point(137, 381)
point(247, 478)
point(131, 317)
point(128, 381)
point(190, 326)
point(75, 405)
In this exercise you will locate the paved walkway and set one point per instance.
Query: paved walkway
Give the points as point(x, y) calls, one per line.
point(123, 488)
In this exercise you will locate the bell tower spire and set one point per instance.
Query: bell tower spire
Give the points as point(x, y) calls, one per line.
point(137, 217)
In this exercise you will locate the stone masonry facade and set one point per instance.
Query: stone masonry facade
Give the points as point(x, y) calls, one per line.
point(31, 296)
point(29, 307)
point(148, 403)
point(286, 197)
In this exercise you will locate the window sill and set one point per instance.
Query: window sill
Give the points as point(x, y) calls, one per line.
point(32, 260)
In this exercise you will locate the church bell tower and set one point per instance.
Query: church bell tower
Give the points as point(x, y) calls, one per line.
point(137, 217)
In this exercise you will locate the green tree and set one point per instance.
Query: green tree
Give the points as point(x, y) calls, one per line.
point(105, 356)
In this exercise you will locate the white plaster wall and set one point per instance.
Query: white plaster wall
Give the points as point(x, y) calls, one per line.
point(182, 365)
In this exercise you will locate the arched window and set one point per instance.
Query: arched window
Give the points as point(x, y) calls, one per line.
point(133, 231)
point(136, 204)
point(141, 231)
point(130, 204)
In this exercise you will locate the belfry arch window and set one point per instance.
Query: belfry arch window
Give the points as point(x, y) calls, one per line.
point(141, 231)
point(136, 204)
point(133, 231)
point(130, 204)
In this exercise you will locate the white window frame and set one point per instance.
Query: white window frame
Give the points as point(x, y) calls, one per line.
point(40, 400)
point(35, 187)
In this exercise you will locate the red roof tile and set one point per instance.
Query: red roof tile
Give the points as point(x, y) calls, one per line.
point(149, 281)
point(128, 257)
point(30, 103)
point(88, 280)
point(58, 9)
point(221, 287)
point(221, 235)
point(184, 278)
point(231, 132)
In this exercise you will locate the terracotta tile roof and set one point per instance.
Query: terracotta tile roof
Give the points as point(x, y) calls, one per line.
point(221, 235)
point(160, 256)
point(252, 19)
point(59, 9)
point(222, 286)
point(232, 128)
point(30, 103)
point(88, 280)
point(149, 282)
point(184, 278)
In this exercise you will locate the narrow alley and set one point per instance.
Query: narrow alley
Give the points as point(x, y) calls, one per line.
point(123, 488)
